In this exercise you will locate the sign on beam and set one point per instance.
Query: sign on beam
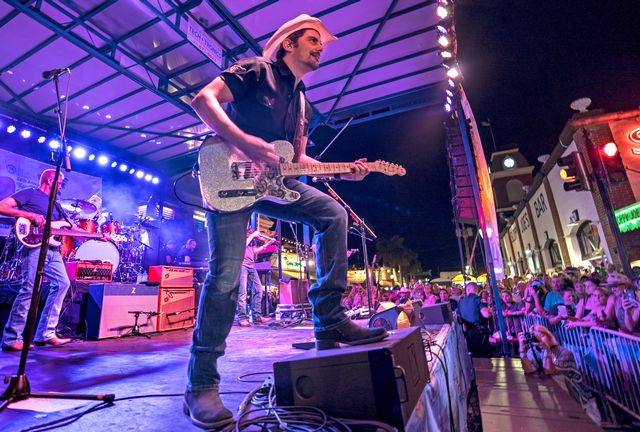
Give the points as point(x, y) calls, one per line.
point(628, 218)
point(199, 37)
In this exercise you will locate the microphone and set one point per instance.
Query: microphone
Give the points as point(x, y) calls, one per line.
point(55, 73)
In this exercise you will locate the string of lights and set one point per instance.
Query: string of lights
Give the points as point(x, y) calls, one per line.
point(448, 50)
point(78, 151)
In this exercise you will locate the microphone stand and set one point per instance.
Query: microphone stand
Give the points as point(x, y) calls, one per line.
point(18, 387)
point(363, 230)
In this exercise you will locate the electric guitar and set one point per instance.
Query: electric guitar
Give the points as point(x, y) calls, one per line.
point(30, 234)
point(230, 182)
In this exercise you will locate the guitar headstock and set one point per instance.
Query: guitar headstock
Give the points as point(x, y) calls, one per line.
point(388, 168)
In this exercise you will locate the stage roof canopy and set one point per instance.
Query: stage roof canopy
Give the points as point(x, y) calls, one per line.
point(136, 64)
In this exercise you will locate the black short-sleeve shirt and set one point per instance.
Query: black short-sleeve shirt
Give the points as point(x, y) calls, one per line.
point(35, 201)
point(265, 102)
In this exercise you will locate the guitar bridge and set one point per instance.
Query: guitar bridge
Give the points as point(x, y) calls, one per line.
point(235, 193)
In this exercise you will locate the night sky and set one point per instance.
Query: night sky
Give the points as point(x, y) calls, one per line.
point(523, 63)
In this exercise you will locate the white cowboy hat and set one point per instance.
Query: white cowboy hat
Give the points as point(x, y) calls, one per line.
point(298, 23)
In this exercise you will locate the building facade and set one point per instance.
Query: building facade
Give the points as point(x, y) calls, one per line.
point(553, 228)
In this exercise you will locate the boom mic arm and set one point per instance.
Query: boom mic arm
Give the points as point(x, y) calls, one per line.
point(54, 73)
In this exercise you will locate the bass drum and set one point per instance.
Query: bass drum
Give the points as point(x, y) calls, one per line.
point(96, 250)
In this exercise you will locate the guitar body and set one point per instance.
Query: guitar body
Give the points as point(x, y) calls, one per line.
point(31, 235)
point(229, 182)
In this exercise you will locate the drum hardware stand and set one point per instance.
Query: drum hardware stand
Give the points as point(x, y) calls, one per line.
point(135, 330)
point(18, 387)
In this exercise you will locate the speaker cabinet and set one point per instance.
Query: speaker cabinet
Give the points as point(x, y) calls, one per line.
point(439, 313)
point(176, 307)
point(171, 276)
point(381, 381)
point(294, 291)
point(109, 305)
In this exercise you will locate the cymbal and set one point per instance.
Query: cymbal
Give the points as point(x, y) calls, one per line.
point(147, 225)
point(77, 206)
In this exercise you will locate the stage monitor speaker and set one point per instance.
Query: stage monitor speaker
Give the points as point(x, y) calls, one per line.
point(109, 305)
point(293, 291)
point(171, 276)
point(439, 313)
point(176, 307)
point(380, 381)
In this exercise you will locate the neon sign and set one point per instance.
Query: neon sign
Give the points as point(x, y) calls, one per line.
point(634, 135)
point(628, 218)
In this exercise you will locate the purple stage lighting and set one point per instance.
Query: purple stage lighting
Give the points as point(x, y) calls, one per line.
point(41, 139)
point(155, 180)
point(11, 128)
point(139, 174)
point(25, 134)
point(54, 144)
point(103, 160)
point(148, 177)
point(123, 167)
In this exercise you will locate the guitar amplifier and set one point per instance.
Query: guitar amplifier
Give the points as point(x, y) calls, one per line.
point(109, 305)
point(176, 307)
point(171, 276)
point(88, 271)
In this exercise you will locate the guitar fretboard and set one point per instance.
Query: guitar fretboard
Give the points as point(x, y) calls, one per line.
point(297, 169)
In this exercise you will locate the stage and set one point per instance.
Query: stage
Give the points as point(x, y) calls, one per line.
point(157, 366)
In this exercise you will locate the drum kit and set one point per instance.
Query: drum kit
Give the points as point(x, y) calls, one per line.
point(126, 255)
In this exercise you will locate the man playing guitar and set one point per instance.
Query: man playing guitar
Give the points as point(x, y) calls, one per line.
point(32, 204)
point(265, 97)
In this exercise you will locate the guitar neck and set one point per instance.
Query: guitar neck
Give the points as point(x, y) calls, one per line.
point(66, 232)
point(295, 169)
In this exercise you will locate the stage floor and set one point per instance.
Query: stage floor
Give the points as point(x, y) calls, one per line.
point(511, 401)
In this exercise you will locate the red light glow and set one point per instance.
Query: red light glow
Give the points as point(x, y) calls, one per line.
point(610, 149)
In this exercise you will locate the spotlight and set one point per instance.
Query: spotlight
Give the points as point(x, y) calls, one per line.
point(451, 83)
point(103, 160)
point(155, 180)
point(92, 157)
point(11, 128)
point(85, 107)
point(447, 107)
point(441, 28)
point(54, 144)
point(139, 174)
point(449, 100)
point(453, 72)
point(132, 170)
point(107, 116)
point(442, 12)
point(446, 54)
point(41, 139)
point(25, 133)
point(449, 92)
point(114, 164)
point(143, 135)
point(79, 152)
point(123, 167)
point(148, 177)
point(443, 41)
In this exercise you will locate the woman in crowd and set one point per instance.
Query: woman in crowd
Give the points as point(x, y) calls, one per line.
point(418, 292)
point(429, 297)
point(590, 298)
point(622, 310)
point(596, 316)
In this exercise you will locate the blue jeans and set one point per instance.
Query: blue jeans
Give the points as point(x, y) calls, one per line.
point(249, 278)
point(55, 271)
point(219, 296)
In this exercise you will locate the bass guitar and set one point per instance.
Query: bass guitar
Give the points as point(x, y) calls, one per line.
point(31, 235)
point(229, 182)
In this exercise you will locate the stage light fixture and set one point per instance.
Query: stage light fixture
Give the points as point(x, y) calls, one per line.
point(54, 144)
point(92, 157)
point(442, 12)
point(443, 41)
point(132, 170)
point(449, 92)
point(85, 107)
point(139, 174)
point(155, 180)
point(453, 72)
point(41, 140)
point(25, 133)
point(114, 164)
point(442, 29)
point(610, 149)
point(103, 160)
point(451, 82)
point(79, 152)
point(447, 107)
point(449, 101)
point(143, 135)
point(107, 116)
point(446, 54)
point(148, 177)
point(11, 128)
point(123, 167)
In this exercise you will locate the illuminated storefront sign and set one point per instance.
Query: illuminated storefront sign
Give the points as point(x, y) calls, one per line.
point(628, 218)
point(634, 135)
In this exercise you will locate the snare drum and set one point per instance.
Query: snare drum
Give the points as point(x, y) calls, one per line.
point(111, 227)
point(88, 225)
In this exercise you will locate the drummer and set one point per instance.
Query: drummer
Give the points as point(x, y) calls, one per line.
point(98, 217)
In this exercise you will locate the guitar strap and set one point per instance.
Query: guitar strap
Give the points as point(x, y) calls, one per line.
point(298, 147)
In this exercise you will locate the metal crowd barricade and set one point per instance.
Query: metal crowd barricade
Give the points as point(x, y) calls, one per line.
point(608, 360)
